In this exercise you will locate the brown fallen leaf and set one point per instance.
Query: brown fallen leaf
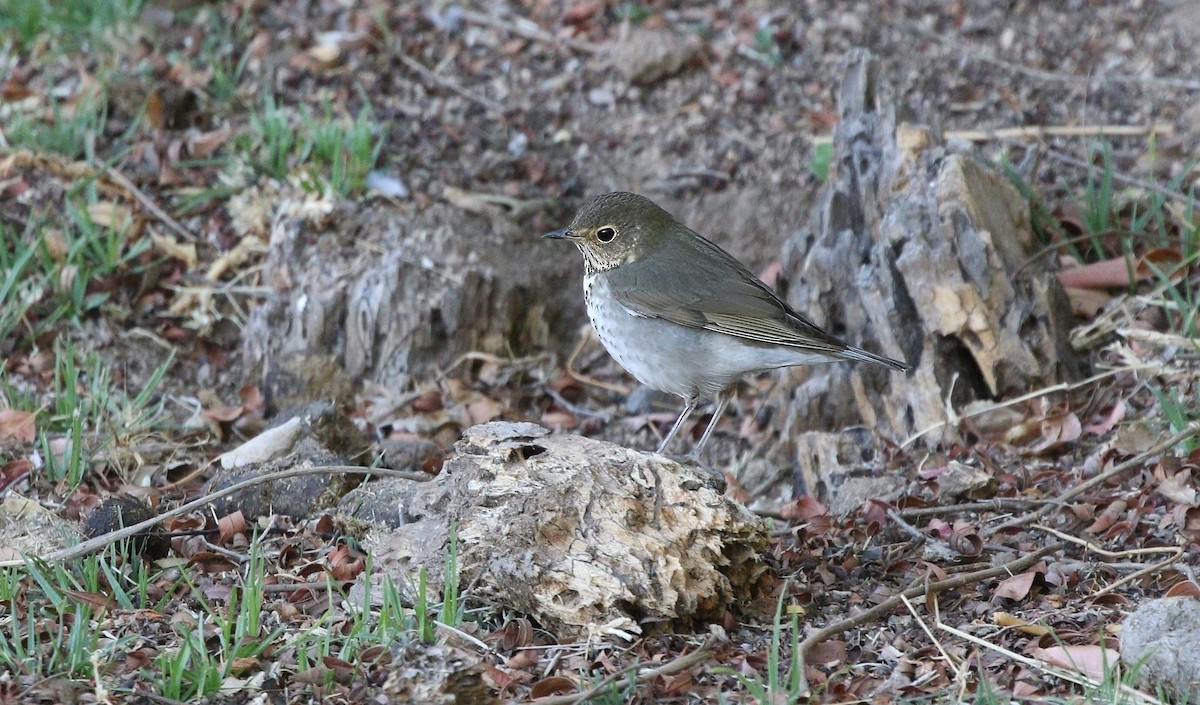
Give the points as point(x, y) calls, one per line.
point(169, 246)
point(108, 214)
point(229, 526)
point(19, 426)
point(1005, 619)
point(554, 685)
point(1016, 587)
point(1107, 421)
point(1092, 660)
point(1109, 516)
point(1120, 272)
point(1178, 488)
point(1184, 589)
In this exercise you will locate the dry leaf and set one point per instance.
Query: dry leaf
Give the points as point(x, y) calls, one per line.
point(554, 685)
point(1005, 619)
point(1184, 589)
point(484, 409)
point(325, 54)
point(229, 526)
point(1108, 517)
point(168, 246)
point(1015, 587)
point(803, 508)
point(1120, 272)
point(1091, 660)
point(1178, 488)
point(19, 426)
point(1109, 420)
point(108, 214)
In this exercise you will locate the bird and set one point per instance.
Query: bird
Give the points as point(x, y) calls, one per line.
point(682, 315)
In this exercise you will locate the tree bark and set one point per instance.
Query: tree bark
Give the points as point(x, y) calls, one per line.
point(393, 297)
point(920, 253)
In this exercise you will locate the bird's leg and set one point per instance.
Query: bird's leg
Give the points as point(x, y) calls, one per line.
point(688, 405)
point(722, 402)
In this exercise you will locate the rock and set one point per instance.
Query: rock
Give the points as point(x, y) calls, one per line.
point(380, 504)
point(646, 56)
point(314, 435)
point(1160, 640)
point(965, 483)
point(589, 538)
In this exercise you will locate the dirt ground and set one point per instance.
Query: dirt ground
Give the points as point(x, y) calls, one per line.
point(715, 110)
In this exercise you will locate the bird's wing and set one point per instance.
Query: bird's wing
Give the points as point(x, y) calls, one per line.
point(740, 305)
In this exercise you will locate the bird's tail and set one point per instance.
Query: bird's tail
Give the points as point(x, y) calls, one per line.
point(853, 353)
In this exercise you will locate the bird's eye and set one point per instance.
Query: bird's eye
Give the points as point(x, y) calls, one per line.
point(605, 234)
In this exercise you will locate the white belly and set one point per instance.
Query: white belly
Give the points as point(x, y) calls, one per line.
point(691, 362)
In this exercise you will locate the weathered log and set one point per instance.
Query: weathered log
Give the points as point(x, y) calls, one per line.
point(920, 253)
point(389, 296)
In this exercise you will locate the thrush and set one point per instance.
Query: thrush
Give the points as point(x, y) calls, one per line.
point(682, 315)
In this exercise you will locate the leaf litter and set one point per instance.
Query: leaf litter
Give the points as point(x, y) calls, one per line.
point(205, 220)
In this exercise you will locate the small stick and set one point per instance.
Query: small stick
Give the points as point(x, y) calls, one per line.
point(958, 672)
point(1175, 551)
point(149, 204)
point(449, 85)
point(675, 665)
point(1177, 196)
point(1010, 568)
point(1043, 131)
point(1103, 477)
point(1045, 391)
point(997, 505)
point(528, 30)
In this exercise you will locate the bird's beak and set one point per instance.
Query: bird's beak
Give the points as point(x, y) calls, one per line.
point(564, 234)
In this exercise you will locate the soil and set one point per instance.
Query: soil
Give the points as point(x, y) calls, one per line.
point(716, 111)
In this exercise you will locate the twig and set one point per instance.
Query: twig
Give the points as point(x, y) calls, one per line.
point(1161, 340)
point(1015, 566)
point(92, 545)
point(700, 172)
point(475, 641)
point(1044, 131)
point(997, 505)
point(1182, 198)
point(1075, 677)
point(1056, 246)
point(958, 672)
point(1175, 551)
point(576, 409)
point(908, 528)
point(974, 53)
point(449, 85)
point(1103, 477)
point(675, 665)
point(149, 204)
point(1044, 391)
point(527, 29)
